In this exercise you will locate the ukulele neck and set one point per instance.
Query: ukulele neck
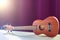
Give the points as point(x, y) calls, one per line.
point(24, 27)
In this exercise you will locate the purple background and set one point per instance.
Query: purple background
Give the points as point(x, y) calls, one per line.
point(29, 10)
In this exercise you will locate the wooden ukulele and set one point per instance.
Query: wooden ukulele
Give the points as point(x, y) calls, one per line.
point(48, 26)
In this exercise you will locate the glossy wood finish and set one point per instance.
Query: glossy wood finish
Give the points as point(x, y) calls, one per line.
point(54, 26)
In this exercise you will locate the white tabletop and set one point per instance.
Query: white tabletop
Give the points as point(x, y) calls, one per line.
point(18, 35)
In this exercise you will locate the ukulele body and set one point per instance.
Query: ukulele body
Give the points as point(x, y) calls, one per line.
point(48, 26)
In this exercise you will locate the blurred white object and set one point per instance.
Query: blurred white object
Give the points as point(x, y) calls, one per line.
point(19, 35)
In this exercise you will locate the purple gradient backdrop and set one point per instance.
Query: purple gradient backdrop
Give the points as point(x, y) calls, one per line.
point(29, 10)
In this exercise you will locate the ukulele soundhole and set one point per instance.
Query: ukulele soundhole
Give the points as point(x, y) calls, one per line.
point(41, 27)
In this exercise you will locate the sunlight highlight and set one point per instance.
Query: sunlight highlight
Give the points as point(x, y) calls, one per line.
point(7, 8)
point(4, 4)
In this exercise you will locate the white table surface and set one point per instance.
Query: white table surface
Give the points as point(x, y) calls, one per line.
point(18, 35)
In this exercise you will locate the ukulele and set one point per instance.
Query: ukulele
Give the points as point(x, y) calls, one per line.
point(48, 26)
